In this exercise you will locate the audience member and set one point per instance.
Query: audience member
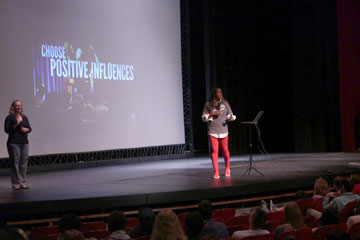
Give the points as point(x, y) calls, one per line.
point(146, 218)
point(73, 235)
point(300, 194)
point(264, 206)
point(167, 226)
point(339, 202)
point(337, 185)
point(329, 216)
point(194, 223)
point(12, 233)
point(321, 188)
point(293, 219)
point(69, 222)
point(116, 224)
point(346, 196)
point(217, 229)
point(257, 220)
point(338, 235)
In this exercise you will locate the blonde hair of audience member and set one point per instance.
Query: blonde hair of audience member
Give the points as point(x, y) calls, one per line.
point(293, 216)
point(167, 226)
point(321, 187)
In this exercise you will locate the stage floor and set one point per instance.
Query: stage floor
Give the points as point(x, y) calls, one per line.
point(167, 182)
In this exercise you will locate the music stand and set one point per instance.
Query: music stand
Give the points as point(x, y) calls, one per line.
point(253, 123)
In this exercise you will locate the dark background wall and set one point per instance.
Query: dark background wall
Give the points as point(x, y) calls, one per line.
point(279, 56)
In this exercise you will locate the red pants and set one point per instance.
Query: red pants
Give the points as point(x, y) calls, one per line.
point(223, 143)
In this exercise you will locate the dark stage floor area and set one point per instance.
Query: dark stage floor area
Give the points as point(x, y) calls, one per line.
point(167, 182)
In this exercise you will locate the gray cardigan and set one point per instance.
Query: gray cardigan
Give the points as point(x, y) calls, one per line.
point(217, 124)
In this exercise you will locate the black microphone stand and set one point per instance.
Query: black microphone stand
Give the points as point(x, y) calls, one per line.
point(248, 170)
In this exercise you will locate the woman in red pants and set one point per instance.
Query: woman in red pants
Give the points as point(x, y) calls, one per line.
point(217, 113)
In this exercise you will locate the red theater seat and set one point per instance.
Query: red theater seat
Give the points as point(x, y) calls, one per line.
point(272, 216)
point(238, 220)
point(354, 231)
point(44, 231)
point(98, 234)
point(347, 212)
point(322, 232)
point(182, 216)
point(131, 222)
point(318, 204)
point(224, 213)
point(92, 226)
point(304, 204)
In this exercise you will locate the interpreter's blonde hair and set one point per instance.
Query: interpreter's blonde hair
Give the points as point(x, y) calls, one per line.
point(12, 108)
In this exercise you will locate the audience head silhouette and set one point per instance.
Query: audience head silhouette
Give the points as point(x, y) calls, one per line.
point(167, 226)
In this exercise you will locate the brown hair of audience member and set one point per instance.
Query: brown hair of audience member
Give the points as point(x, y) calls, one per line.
point(69, 221)
point(257, 218)
point(346, 185)
point(116, 221)
point(321, 187)
point(300, 194)
point(293, 215)
point(337, 183)
point(194, 223)
point(205, 209)
point(167, 226)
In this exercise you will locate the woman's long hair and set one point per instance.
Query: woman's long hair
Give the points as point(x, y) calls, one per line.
point(321, 187)
point(212, 96)
point(293, 216)
point(12, 108)
point(167, 226)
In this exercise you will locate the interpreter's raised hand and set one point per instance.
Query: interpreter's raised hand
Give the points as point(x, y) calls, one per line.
point(24, 129)
point(215, 113)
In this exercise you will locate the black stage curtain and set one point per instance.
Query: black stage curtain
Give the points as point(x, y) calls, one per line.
point(278, 56)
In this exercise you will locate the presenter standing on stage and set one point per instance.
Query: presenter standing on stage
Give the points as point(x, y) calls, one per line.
point(217, 113)
point(17, 126)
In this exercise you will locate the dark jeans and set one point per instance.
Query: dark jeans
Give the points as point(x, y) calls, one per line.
point(19, 155)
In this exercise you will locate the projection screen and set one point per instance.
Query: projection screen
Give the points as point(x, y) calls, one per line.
point(93, 74)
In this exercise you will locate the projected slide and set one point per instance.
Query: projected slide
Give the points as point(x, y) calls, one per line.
point(93, 74)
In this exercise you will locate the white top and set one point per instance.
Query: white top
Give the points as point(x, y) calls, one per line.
point(205, 118)
point(246, 233)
